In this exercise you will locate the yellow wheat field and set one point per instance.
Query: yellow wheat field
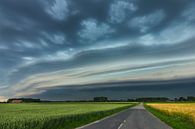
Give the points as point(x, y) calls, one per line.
point(187, 109)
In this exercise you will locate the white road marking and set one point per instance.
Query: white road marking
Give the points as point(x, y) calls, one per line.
point(120, 125)
point(101, 119)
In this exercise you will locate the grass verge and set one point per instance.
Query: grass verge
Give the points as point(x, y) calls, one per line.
point(175, 120)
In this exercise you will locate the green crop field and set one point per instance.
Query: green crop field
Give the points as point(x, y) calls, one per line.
point(55, 115)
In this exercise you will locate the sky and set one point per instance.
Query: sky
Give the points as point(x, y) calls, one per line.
point(73, 49)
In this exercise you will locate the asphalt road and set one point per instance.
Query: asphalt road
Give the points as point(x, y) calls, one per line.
point(133, 118)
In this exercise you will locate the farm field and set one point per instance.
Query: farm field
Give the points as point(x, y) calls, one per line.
point(55, 115)
point(177, 115)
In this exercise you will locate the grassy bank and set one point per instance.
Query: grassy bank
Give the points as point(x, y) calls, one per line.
point(176, 120)
point(55, 115)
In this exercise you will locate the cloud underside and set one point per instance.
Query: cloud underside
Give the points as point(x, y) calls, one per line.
point(121, 90)
point(68, 43)
point(108, 72)
point(145, 23)
point(58, 9)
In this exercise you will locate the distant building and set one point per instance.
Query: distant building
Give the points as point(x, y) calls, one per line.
point(23, 100)
point(16, 101)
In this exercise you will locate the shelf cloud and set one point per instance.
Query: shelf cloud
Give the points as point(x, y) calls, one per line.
point(76, 45)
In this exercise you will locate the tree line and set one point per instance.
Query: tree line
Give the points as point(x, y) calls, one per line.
point(106, 99)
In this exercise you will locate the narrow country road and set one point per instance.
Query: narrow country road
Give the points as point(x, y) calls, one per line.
point(133, 118)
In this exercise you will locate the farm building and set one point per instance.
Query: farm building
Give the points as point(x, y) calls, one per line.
point(16, 101)
point(23, 100)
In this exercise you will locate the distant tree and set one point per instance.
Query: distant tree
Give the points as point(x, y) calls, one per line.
point(175, 99)
point(131, 100)
point(190, 98)
point(182, 99)
point(100, 99)
point(152, 99)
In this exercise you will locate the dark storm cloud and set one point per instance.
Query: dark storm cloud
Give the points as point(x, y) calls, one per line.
point(24, 20)
point(123, 90)
point(40, 37)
